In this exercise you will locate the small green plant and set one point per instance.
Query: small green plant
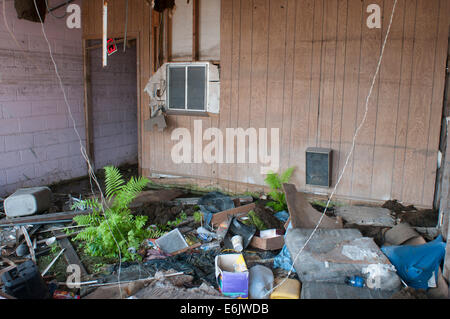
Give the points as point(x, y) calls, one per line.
point(113, 229)
point(198, 217)
point(256, 221)
point(177, 221)
point(275, 182)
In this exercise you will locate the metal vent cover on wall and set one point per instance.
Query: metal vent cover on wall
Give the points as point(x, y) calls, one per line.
point(318, 166)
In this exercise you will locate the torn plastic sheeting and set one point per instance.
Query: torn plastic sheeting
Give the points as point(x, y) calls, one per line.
point(282, 216)
point(417, 264)
point(213, 203)
point(283, 260)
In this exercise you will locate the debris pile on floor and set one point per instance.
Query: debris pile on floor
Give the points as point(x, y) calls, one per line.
point(217, 246)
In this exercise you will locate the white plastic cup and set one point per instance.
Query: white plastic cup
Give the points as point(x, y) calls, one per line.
point(237, 243)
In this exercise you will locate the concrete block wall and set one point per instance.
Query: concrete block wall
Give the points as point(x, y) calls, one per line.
point(114, 105)
point(38, 144)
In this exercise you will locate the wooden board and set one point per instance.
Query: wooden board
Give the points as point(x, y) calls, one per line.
point(42, 218)
point(69, 253)
point(302, 214)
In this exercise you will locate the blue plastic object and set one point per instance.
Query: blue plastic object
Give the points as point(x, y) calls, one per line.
point(283, 259)
point(416, 264)
point(282, 216)
point(355, 281)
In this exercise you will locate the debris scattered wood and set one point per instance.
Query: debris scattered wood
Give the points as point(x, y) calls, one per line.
point(30, 245)
point(153, 196)
point(194, 200)
point(69, 253)
point(218, 218)
point(40, 219)
point(52, 262)
point(303, 215)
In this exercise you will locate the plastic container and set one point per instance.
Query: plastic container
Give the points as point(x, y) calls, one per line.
point(25, 282)
point(28, 201)
point(209, 246)
point(172, 242)
point(260, 282)
point(237, 243)
point(355, 281)
point(290, 289)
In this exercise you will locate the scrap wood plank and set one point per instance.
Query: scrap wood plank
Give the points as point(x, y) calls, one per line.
point(29, 244)
point(42, 218)
point(69, 253)
point(157, 196)
point(302, 214)
point(218, 218)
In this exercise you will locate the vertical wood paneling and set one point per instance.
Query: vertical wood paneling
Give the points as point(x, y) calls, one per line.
point(436, 102)
point(407, 56)
point(276, 68)
point(301, 88)
point(421, 94)
point(305, 67)
point(260, 63)
point(235, 170)
point(290, 32)
point(387, 115)
point(351, 80)
point(226, 38)
point(364, 149)
point(339, 82)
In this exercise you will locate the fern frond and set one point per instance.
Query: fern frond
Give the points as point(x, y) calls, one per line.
point(130, 190)
point(113, 181)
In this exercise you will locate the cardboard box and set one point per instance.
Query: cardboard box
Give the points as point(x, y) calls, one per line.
point(232, 275)
point(271, 243)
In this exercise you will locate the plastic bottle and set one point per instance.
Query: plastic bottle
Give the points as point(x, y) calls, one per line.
point(210, 246)
point(260, 282)
point(355, 281)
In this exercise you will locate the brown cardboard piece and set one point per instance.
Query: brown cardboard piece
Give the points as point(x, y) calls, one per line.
point(303, 215)
point(273, 243)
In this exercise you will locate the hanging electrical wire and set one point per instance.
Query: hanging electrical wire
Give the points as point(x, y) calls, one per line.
point(50, 10)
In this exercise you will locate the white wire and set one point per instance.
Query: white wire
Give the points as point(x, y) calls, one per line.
point(349, 154)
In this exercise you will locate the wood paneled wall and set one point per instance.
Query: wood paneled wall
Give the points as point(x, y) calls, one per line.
point(305, 66)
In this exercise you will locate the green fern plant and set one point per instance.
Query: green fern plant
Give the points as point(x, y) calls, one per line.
point(112, 228)
point(275, 182)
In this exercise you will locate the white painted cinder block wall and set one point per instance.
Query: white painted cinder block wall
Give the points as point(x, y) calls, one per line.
point(38, 144)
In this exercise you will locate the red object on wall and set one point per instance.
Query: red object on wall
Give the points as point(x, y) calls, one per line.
point(111, 46)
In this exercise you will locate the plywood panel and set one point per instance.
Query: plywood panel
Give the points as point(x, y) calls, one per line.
point(286, 125)
point(390, 79)
point(339, 82)
point(260, 60)
point(406, 61)
point(301, 89)
point(436, 102)
point(364, 150)
point(350, 96)
point(276, 71)
point(421, 95)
